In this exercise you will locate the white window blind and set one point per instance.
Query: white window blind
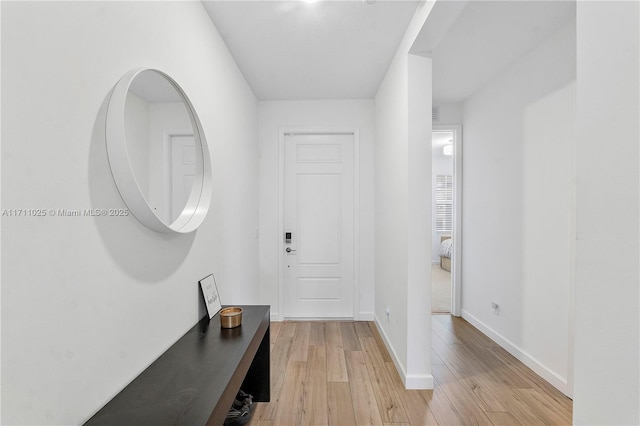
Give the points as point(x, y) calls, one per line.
point(444, 204)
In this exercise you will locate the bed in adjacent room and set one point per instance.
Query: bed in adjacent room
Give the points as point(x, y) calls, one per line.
point(446, 251)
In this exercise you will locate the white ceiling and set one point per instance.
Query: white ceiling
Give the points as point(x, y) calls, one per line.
point(341, 49)
point(472, 41)
point(324, 50)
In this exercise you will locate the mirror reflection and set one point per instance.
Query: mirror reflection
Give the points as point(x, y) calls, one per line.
point(159, 134)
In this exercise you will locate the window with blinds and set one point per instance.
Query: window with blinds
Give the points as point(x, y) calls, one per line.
point(444, 204)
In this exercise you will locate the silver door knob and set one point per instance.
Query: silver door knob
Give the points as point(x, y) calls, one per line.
point(289, 250)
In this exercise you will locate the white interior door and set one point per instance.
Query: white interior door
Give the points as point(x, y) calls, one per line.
point(319, 215)
point(183, 169)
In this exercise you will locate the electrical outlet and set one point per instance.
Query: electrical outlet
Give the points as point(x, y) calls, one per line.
point(496, 308)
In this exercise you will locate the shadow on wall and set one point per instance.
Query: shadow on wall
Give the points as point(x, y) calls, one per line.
point(144, 254)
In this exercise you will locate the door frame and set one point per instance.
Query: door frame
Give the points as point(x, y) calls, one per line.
point(456, 260)
point(287, 131)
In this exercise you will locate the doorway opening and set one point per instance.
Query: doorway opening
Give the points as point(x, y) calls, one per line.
point(446, 214)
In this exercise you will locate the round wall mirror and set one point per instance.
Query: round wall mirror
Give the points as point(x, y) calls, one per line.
point(157, 152)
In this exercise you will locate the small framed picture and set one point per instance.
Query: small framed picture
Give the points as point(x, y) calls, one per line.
point(210, 294)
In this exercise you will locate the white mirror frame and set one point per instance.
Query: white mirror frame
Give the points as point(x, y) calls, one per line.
point(197, 205)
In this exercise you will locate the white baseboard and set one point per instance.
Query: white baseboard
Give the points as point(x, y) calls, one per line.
point(365, 316)
point(362, 316)
point(410, 381)
point(419, 381)
point(540, 369)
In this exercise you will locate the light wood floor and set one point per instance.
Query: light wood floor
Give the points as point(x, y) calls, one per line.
point(340, 373)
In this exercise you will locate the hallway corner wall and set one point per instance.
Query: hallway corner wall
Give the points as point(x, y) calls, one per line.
point(519, 211)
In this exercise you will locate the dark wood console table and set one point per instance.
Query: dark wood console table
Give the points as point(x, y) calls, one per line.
point(196, 380)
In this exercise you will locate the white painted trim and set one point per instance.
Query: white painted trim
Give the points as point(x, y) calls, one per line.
point(282, 131)
point(540, 369)
point(572, 268)
point(320, 319)
point(410, 381)
point(275, 317)
point(356, 225)
point(1, 204)
point(456, 259)
point(366, 316)
point(392, 352)
point(419, 381)
point(281, 224)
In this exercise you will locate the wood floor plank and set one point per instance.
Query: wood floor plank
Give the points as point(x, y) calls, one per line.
point(378, 337)
point(498, 379)
point(532, 379)
point(481, 362)
point(274, 331)
point(389, 403)
point(435, 358)
point(455, 357)
point(279, 360)
point(332, 335)
point(473, 387)
point(474, 379)
point(288, 329)
point(446, 335)
point(340, 405)
point(417, 409)
point(314, 410)
point(442, 408)
point(464, 332)
point(290, 403)
point(336, 365)
point(394, 375)
point(501, 374)
point(340, 373)
point(463, 399)
point(502, 419)
point(350, 340)
point(519, 409)
point(300, 346)
point(544, 407)
point(365, 407)
point(362, 329)
point(316, 335)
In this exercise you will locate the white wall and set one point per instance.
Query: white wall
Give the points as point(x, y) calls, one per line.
point(145, 127)
point(403, 211)
point(518, 210)
point(449, 113)
point(136, 127)
point(342, 114)
point(607, 343)
point(164, 117)
point(419, 224)
point(87, 303)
